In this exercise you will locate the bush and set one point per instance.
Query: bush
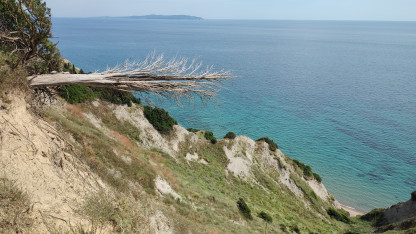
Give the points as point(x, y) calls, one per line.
point(160, 119)
point(375, 216)
point(413, 196)
point(317, 177)
point(76, 93)
point(230, 135)
point(116, 96)
point(194, 130)
point(272, 146)
point(242, 206)
point(266, 217)
point(79, 94)
point(307, 170)
point(210, 136)
point(339, 215)
point(295, 228)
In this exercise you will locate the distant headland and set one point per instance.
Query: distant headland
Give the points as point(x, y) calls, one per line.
point(169, 17)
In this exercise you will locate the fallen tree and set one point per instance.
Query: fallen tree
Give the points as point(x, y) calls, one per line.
point(25, 29)
point(176, 78)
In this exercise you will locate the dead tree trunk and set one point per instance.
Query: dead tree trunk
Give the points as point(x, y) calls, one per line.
point(175, 78)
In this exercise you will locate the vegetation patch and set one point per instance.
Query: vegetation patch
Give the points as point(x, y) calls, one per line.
point(98, 151)
point(194, 130)
point(307, 171)
point(122, 213)
point(272, 146)
point(80, 93)
point(160, 119)
point(266, 217)
point(317, 177)
point(339, 215)
point(210, 136)
point(375, 216)
point(309, 193)
point(116, 96)
point(409, 225)
point(76, 93)
point(230, 135)
point(295, 228)
point(11, 79)
point(245, 211)
point(14, 209)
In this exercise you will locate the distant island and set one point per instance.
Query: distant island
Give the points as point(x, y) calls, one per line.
point(169, 17)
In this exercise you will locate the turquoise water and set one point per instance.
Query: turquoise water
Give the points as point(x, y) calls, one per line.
point(339, 96)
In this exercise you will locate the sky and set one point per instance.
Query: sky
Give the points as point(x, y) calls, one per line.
point(385, 10)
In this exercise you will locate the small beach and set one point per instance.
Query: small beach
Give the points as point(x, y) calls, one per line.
point(353, 212)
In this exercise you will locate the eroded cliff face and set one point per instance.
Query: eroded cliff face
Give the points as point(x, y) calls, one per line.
point(35, 156)
point(57, 162)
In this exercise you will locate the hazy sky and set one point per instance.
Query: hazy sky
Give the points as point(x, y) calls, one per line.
point(242, 9)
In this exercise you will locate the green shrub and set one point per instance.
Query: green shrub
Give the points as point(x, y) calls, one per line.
point(272, 146)
point(116, 96)
point(230, 135)
point(210, 136)
point(79, 94)
point(266, 217)
point(194, 130)
point(76, 93)
point(307, 170)
point(339, 215)
point(160, 119)
point(374, 215)
point(242, 206)
point(295, 228)
point(317, 177)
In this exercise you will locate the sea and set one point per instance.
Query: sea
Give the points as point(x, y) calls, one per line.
point(339, 96)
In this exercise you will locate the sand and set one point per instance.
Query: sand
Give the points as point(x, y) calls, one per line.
point(353, 212)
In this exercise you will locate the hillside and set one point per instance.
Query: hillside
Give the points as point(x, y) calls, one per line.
point(99, 166)
point(93, 159)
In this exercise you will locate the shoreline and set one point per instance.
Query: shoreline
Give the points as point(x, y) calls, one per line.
point(353, 211)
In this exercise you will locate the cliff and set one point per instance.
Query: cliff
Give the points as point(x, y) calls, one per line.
point(102, 167)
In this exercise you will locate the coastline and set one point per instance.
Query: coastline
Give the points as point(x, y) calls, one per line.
point(353, 212)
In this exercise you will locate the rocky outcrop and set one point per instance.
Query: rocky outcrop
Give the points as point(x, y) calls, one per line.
point(399, 212)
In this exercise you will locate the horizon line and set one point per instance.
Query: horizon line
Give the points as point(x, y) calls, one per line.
point(350, 20)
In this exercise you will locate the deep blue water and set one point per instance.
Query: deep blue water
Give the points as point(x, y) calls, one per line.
point(339, 96)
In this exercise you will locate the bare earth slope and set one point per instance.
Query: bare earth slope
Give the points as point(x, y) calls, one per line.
point(36, 158)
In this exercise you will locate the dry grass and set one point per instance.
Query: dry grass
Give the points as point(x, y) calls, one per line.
point(75, 110)
point(121, 139)
point(156, 158)
point(15, 209)
point(118, 213)
point(12, 79)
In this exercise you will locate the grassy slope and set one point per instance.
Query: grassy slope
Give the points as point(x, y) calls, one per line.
point(209, 194)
